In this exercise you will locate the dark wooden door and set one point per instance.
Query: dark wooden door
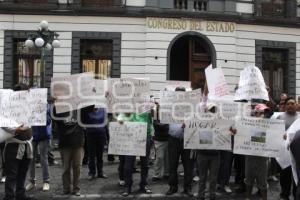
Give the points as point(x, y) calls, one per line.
point(190, 55)
point(199, 60)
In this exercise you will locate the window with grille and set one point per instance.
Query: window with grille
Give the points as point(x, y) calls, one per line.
point(275, 70)
point(273, 8)
point(96, 56)
point(27, 65)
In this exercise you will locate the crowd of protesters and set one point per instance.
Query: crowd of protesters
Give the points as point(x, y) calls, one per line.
point(19, 154)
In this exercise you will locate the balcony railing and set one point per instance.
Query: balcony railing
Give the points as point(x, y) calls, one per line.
point(31, 1)
point(200, 5)
point(195, 5)
point(101, 3)
point(181, 4)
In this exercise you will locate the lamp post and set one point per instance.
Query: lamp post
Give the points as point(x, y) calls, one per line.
point(45, 40)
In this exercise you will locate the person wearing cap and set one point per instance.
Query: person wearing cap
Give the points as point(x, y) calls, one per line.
point(208, 161)
point(286, 178)
point(176, 151)
point(253, 163)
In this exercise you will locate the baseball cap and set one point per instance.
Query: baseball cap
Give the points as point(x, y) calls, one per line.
point(261, 107)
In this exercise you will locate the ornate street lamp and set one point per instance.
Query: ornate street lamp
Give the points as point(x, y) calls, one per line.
point(45, 40)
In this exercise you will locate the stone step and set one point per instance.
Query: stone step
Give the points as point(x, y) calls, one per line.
point(118, 196)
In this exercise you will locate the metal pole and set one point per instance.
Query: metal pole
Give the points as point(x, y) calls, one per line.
point(43, 77)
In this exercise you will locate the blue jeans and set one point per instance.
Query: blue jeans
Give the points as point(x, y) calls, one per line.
point(43, 149)
point(129, 164)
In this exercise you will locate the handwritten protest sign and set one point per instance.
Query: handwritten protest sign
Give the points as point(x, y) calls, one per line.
point(128, 138)
point(23, 107)
point(37, 102)
point(231, 110)
point(251, 85)
point(259, 137)
point(175, 105)
point(207, 133)
point(216, 83)
point(172, 85)
point(100, 88)
point(127, 94)
point(73, 92)
point(284, 159)
point(291, 132)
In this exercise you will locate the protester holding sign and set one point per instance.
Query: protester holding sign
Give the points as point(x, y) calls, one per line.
point(94, 121)
point(130, 160)
point(18, 154)
point(252, 163)
point(176, 148)
point(121, 118)
point(208, 160)
point(289, 116)
point(41, 143)
point(71, 142)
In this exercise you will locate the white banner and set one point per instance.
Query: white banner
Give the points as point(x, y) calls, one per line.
point(259, 137)
point(73, 92)
point(23, 107)
point(128, 138)
point(175, 105)
point(284, 158)
point(216, 83)
point(101, 88)
point(251, 85)
point(207, 133)
point(230, 110)
point(128, 94)
point(291, 132)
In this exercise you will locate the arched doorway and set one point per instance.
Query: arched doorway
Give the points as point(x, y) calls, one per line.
point(188, 56)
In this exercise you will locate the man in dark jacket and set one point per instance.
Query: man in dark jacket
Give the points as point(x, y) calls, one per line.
point(71, 142)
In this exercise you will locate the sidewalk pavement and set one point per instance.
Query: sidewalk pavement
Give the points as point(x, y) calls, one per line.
point(109, 188)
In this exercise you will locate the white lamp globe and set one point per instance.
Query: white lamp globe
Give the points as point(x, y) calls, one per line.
point(44, 25)
point(39, 42)
point(48, 47)
point(56, 43)
point(29, 43)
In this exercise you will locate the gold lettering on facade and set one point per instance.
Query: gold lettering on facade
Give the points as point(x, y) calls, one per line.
point(190, 24)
